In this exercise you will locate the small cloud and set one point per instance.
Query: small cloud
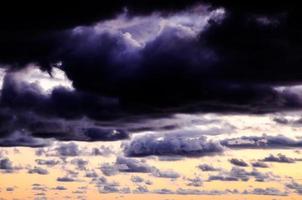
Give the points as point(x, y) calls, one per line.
point(259, 164)
point(237, 162)
point(59, 187)
point(79, 163)
point(165, 174)
point(65, 179)
point(279, 158)
point(6, 164)
point(207, 168)
point(295, 186)
point(49, 163)
point(137, 179)
point(68, 149)
point(195, 182)
point(132, 165)
point(108, 169)
point(38, 170)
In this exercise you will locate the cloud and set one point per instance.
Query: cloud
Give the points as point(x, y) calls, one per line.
point(60, 188)
point(104, 186)
point(99, 134)
point(22, 138)
point(49, 163)
point(102, 151)
point(165, 174)
point(109, 170)
point(22, 94)
point(68, 149)
point(237, 162)
point(163, 191)
point(179, 144)
point(207, 168)
point(6, 164)
point(132, 165)
point(126, 165)
point(266, 191)
point(65, 179)
point(279, 158)
point(38, 170)
point(195, 182)
point(141, 189)
point(223, 55)
point(91, 174)
point(137, 179)
point(38, 187)
point(264, 141)
point(10, 189)
point(240, 174)
point(295, 186)
point(259, 164)
point(79, 163)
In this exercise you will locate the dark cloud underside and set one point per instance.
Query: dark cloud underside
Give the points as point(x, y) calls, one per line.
point(139, 56)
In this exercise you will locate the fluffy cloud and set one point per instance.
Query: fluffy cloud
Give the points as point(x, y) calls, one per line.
point(182, 143)
point(132, 165)
point(127, 165)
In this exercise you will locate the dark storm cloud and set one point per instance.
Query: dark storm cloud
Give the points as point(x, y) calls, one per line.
point(225, 64)
point(21, 95)
point(177, 144)
point(29, 30)
point(27, 115)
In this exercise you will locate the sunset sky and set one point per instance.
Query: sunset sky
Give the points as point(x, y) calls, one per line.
point(153, 100)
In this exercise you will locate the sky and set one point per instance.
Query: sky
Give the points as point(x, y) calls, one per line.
point(150, 99)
